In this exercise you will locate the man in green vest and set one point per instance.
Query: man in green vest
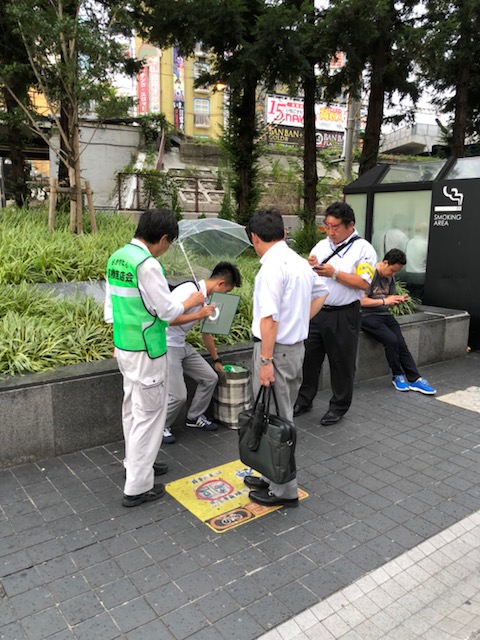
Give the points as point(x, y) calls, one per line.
point(139, 303)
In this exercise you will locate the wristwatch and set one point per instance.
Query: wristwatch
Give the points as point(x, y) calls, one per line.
point(265, 360)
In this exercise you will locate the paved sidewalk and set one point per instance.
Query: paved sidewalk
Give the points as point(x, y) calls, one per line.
point(394, 491)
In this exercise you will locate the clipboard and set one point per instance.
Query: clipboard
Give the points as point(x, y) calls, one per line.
point(220, 323)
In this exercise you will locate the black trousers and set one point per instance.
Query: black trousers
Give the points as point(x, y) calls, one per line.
point(386, 330)
point(333, 333)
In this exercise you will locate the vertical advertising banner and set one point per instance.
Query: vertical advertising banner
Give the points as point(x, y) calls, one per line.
point(143, 91)
point(154, 72)
point(178, 91)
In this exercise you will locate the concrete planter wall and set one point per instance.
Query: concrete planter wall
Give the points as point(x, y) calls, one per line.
point(79, 406)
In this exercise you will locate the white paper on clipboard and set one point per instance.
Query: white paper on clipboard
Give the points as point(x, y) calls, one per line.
point(220, 322)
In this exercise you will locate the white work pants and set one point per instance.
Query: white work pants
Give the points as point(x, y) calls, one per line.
point(145, 388)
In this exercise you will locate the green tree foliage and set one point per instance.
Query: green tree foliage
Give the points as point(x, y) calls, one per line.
point(380, 38)
point(451, 63)
point(251, 42)
point(18, 76)
point(229, 31)
point(72, 49)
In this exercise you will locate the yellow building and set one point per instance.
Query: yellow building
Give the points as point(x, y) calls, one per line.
point(165, 85)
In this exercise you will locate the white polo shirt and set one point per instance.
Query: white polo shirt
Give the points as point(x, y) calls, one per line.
point(176, 335)
point(284, 288)
point(359, 258)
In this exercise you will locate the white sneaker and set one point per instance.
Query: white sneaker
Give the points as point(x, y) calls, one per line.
point(202, 422)
point(168, 437)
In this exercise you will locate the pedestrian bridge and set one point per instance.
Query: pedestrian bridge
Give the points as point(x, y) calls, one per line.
point(411, 139)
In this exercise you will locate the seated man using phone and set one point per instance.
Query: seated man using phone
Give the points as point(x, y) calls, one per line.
point(378, 322)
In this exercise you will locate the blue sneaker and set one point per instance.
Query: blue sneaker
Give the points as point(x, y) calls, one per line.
point(400, 383)
point(422, 386)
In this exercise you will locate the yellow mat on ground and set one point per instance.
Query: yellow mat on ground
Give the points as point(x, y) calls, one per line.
point(218, 496)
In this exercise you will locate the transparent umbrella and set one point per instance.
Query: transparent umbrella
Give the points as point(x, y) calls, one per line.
point(205, 241)
point(214, 236)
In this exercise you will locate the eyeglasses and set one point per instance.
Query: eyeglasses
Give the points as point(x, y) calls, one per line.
point(331, 227)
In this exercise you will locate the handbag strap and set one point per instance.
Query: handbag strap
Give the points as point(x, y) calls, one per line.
point(264, 395)
point(260, 396)
point(338, 249)
point(272, 387)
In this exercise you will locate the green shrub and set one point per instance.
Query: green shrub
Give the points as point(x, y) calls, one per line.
point(39, 332)
point(28, 253)
point(305, 238)
point(407, 307)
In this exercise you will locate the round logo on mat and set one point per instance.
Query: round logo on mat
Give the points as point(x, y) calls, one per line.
point(230, 519)
point(213, 489)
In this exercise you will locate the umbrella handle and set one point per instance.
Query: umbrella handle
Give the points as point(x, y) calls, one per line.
point(189, 265)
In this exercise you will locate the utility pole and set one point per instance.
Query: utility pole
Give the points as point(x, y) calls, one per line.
point(350, 131)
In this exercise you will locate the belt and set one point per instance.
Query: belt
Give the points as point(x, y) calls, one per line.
point(255, 339)
point(327, 307)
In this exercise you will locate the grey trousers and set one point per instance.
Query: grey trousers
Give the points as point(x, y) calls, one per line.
point(185, 360)
point(288, 361)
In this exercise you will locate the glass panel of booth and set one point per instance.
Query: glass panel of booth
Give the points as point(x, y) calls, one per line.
point(413, 172)
point(401, 221)
point(358, 202)
point(464, 168)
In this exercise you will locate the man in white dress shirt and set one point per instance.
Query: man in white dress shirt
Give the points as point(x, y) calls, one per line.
point(347, 262)
point(287, 294)
point(183, 359)
point(140, 305)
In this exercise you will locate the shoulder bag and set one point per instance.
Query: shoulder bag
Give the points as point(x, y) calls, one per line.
point(266, 440)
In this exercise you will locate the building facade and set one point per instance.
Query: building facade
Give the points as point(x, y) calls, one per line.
point(166, 85)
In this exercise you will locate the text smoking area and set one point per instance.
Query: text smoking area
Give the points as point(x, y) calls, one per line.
point(431, 211)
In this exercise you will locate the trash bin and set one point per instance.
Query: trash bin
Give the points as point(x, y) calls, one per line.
point(233, 394)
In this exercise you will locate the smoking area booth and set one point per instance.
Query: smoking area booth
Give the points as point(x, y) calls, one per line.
point(430, 210)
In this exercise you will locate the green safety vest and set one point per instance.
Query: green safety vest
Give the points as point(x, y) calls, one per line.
point(134, 327)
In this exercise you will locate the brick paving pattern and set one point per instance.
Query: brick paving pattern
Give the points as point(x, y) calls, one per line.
point(399, 469)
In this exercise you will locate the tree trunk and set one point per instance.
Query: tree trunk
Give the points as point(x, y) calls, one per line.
point(245, 129)
point(62, 168)
point(371, 142)
point(310, 174)
point(15, 138)
point(461, 110)
point(78, 179)
point(72, 150)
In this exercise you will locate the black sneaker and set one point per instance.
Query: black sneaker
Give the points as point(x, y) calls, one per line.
point(159, 468)
point(202, 422)
point(149, 496)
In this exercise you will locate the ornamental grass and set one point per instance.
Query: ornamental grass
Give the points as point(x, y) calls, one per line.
point(40, 331)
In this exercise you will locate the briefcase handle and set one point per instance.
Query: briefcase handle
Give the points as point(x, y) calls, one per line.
point(264, 395)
